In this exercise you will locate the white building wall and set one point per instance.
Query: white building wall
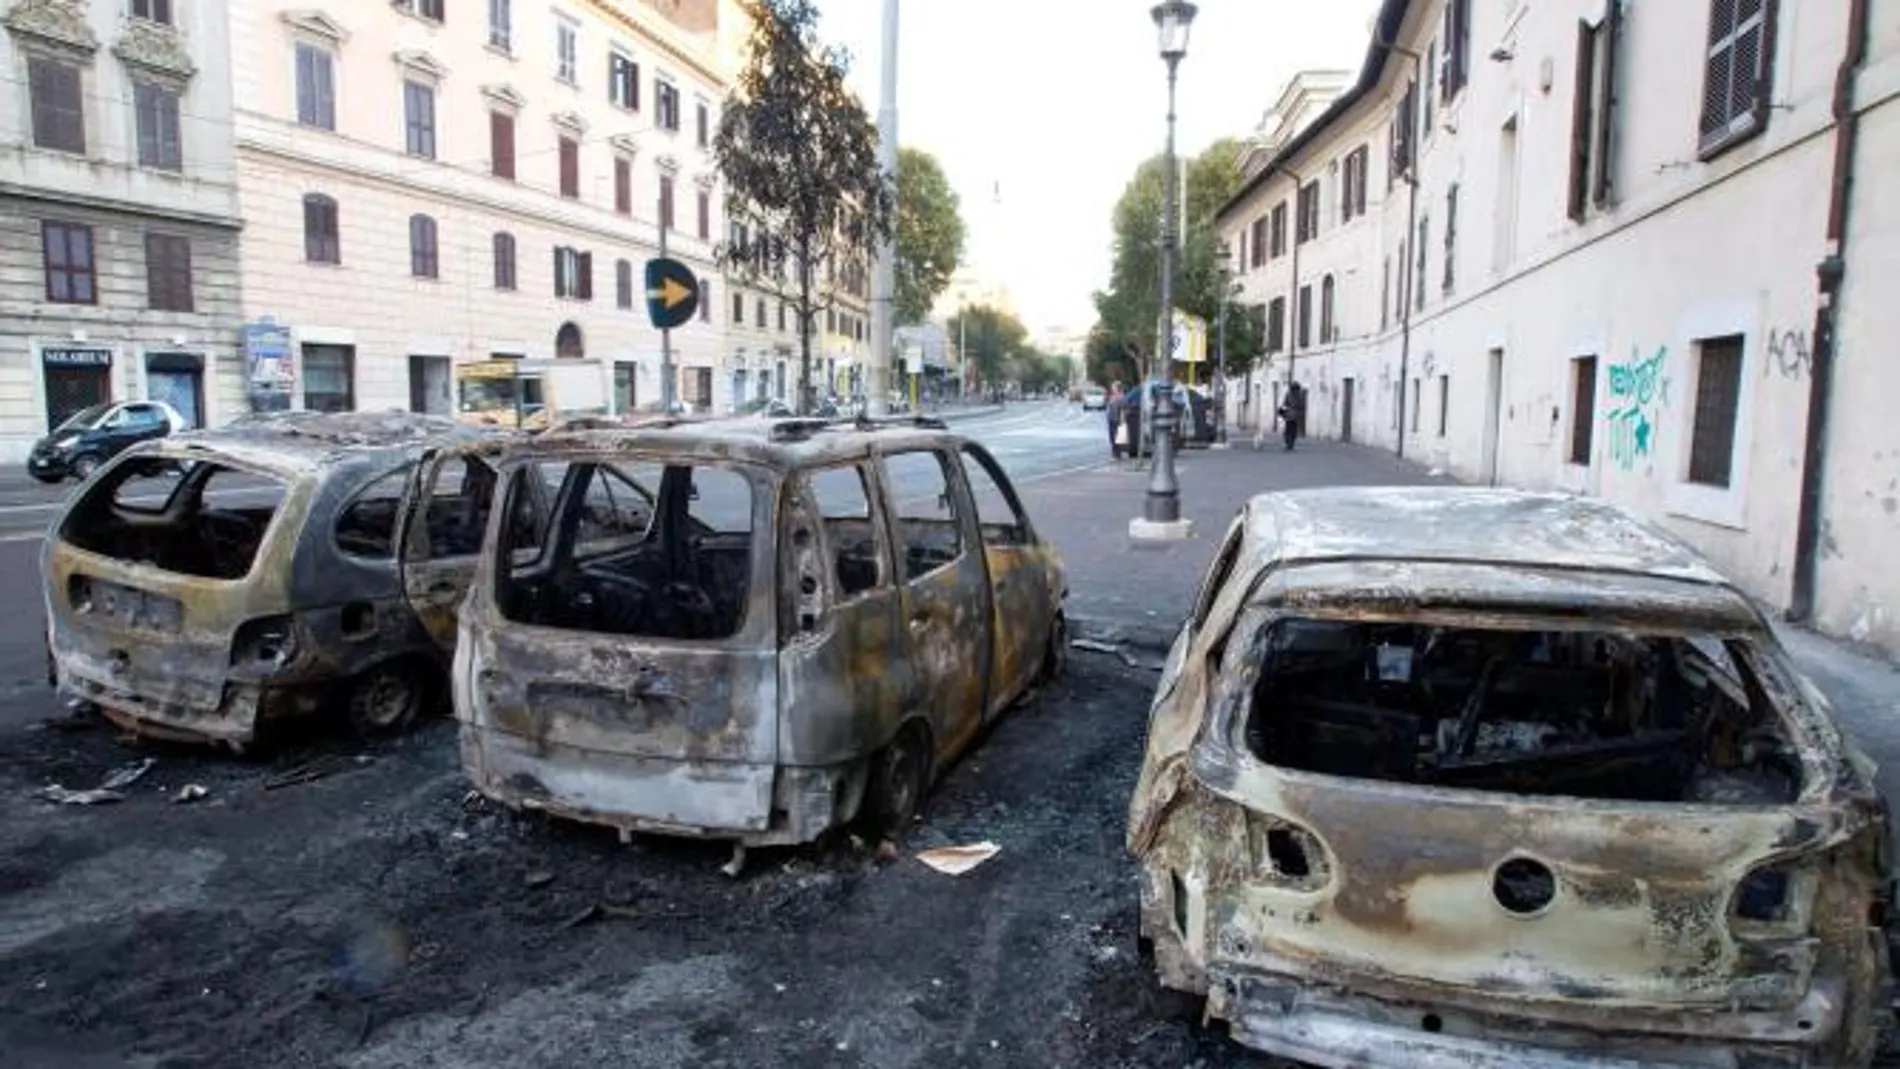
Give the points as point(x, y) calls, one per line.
point(370, 300)
point(1688, 250)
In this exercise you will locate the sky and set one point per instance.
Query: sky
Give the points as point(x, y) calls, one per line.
point(1055, 102)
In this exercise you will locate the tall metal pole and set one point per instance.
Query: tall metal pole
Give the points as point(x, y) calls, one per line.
point(963, 353)
point(1220, 359)
point(1163, 504)
point(666, 343)
point(884, 269)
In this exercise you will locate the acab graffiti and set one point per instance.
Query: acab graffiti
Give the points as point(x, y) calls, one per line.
point(1639, 388)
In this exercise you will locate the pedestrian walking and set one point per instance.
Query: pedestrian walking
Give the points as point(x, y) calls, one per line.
point(1293, 414)
point(1117, 434)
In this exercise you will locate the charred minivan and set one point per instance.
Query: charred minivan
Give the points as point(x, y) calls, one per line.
point(1465, 777)
point(745, 630)
point(214, 584)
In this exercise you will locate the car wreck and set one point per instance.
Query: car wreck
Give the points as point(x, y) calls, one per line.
point(1449, 777)
point(215, 585)
point(744, 630)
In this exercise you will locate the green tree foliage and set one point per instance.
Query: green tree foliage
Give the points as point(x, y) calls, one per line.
point(930, 234)
point(1128, 312)
point(799, 157)
point(993, 341)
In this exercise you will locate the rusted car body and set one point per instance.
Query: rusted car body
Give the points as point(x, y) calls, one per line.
point(1444, 777)
point(214, 584)
point(745, 630)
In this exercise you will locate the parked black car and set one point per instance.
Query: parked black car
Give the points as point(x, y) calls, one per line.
point(1194, 426)
point(94, 435)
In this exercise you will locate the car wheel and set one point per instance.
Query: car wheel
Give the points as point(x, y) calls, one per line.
point(386, 699)
point(899, 775)
point(83, 466)
point(47, 478)
point(1055, 657)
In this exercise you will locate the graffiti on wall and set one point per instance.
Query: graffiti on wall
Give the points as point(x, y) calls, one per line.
point(1788, 353)
point(1639, 389)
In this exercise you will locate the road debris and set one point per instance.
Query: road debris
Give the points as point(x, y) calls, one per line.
point(127, 775)
point(190, 792)
point(957, 860)
point(66, 796)
point(538, 878)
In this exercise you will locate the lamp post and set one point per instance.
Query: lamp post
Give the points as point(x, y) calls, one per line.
point(1161, 511)
point(1220, 351)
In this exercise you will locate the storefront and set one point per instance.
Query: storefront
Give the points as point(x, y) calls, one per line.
point(177, 379)
point(75, 376)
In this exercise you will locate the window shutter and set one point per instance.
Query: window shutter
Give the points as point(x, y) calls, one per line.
point(1612, 33)
point(560, 280)
point(1451, 235)
point(501, 143)
point(1580, 121)
point(587, 276)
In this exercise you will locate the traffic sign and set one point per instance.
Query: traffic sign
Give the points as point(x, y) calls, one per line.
point(672, 293)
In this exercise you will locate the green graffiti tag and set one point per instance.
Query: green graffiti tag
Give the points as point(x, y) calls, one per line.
point(1637, 389)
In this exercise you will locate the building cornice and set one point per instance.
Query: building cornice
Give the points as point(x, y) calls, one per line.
point(316, 24)
point(57, 23)
point(114, 204)
point(656, 37)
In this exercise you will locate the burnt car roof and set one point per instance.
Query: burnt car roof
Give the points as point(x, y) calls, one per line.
point(294, 438)
point(1467, 525)
point(778, 443)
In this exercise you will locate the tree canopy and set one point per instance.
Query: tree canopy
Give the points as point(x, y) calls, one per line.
point(1128, 312)
point(799, 157)
point(930, 234)
point(992, 340)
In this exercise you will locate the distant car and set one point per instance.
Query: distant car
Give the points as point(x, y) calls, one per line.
point(1446, 776)
point(1094, 399)
point(94, 435)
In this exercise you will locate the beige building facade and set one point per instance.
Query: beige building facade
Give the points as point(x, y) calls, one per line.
point(1628, 249)
point(427, 183)
point(118, 212)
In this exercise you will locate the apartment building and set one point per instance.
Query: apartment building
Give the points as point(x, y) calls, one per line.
point(118, 212)
point(1625, 249)
point(427, 183)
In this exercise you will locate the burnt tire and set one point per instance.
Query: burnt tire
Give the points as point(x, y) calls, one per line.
point(386, 700)
point(48, 479)
point(83, 466)
point(895, 783)
point(1055, 656)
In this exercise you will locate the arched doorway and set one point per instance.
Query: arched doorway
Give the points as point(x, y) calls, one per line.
point(567, 342)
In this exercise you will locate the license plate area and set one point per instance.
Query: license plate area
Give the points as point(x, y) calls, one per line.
point(120, 606)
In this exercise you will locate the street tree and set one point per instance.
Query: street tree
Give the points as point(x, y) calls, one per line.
point(804, 194)
point(1128, 311)
point(930, 234)
point(992, 339)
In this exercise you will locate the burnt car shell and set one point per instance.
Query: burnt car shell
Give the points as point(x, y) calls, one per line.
point(1374, 897)
point(145, 619)
point(755, 686)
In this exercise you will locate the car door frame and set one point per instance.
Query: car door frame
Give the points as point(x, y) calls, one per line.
point(939, 679)
point(1019, 584)
point(436, 589)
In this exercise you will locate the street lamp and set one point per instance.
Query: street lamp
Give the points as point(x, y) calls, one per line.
point(1161, 511)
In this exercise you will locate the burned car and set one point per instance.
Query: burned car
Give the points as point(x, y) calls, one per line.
point(214, 584)
point(745, 630)
point(1444, 777)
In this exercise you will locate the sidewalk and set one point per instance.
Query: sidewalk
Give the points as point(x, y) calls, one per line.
point(1135, 595)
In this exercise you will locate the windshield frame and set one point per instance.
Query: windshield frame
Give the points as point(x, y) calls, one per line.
point(97, 413)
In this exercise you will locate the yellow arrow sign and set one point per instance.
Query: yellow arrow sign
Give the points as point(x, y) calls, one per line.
point(670, 293)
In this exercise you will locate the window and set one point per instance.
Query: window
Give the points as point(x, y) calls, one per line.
point(1352, 188)
point(71, 275)
point(367, 526)
point(1718, 388)
point(501, 144)
point(1583, 407)
point(1425, 92)
point(423, 261)
point(705, 216)
point(1276, 325)
point(1454, 63)
point(666, 100)
point(623, 185)
point(320, 243)
point(705, 299)
point(504, 260)
point(428, 9)
point(1415, 406)
point(851, 535)
point(573, 273)
point(1444, 403)
point(1401, 135)
point(929, 524)
point(567, 47)
point(666, 201)
point(168, 272)
point(316, 87)
point(623, 82)
point(1326, 326)
point(1278, 227)
point(501, 24)
point(999, 514)
point(1738, 72)
point(1308, 219)
point(1424, 243)
point(758, 314)
point(702, 116)
point(59, 115)
point(570, 168)
point(781, 316)
point(1385, 294)
point(418, 107)
point(738, 309)
point(623, 283)
point(1259, 251)
point(1303, 320)
point(1591, 114)
point(329, 378)
point(153, 10)
point(1451, 235)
